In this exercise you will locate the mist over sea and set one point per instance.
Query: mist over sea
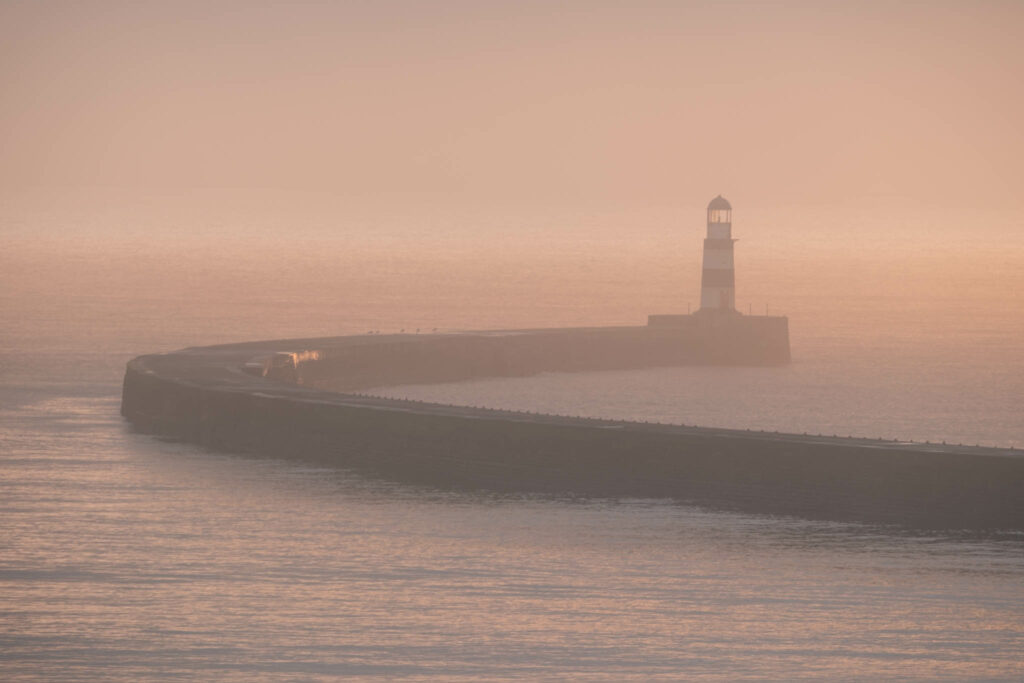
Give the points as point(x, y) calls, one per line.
point(124, 557)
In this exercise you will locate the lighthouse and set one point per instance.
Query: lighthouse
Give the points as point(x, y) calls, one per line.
point(722, 334)
point(718, 278)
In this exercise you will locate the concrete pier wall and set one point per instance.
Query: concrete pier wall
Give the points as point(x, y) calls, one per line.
point(206, 396)
point(419, 359)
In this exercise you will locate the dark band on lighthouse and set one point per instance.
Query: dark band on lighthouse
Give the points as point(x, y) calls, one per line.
point(718, 276)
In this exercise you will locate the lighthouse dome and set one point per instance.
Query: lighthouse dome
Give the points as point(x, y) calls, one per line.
point(719, 203)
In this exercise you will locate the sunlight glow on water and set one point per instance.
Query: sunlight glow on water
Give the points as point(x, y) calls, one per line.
point(859, 397)
point(124, 558)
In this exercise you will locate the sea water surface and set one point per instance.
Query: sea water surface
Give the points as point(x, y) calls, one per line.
point(124, 557)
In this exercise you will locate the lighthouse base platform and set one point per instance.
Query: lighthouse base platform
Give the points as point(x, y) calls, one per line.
point(729, 337)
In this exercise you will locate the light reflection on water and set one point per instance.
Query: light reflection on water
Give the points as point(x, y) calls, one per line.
point(126, 557)
point(821, 392)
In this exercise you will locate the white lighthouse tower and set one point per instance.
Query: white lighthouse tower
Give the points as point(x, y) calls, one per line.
point(722, 335)
point(718, 278)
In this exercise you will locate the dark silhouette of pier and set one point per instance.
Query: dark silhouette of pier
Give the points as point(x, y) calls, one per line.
point(306, 399)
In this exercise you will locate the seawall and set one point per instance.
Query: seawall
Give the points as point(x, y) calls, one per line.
point(251, 398)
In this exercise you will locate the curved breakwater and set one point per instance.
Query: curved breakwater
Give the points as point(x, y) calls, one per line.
point(297, 399)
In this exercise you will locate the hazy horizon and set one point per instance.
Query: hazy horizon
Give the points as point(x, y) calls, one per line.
point(511, 104)
point(185, 174)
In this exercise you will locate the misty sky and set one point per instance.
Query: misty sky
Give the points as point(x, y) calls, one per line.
point(520, 102)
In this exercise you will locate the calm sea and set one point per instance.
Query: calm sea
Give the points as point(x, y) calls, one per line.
point(127, 558)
